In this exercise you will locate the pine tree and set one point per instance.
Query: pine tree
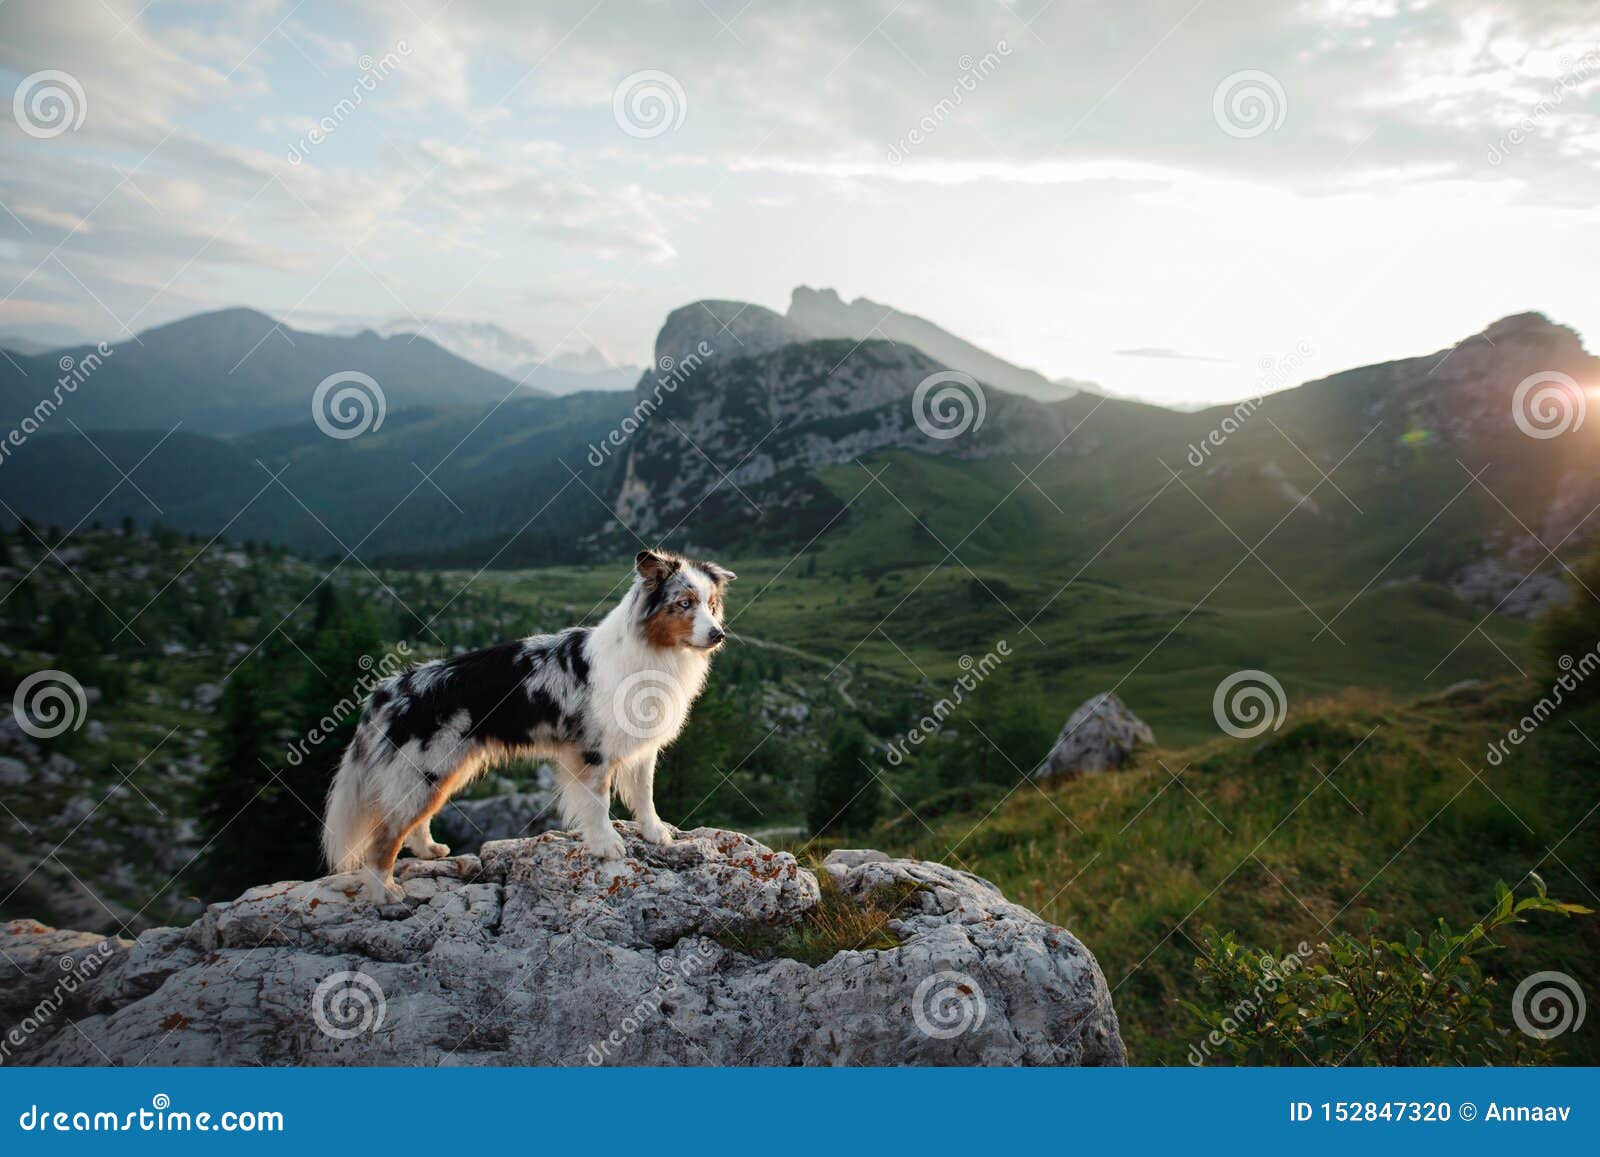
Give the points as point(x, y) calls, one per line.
point(846, 796)
point(240, 850)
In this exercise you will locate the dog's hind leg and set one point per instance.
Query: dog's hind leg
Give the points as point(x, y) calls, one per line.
point(636, 782)
point(584, 795)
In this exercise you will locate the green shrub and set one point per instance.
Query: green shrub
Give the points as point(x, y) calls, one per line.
point(1363, 999)
point(1570, 630)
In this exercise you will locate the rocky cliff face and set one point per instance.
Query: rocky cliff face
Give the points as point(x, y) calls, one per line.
point(531, 954)
point(742, 402)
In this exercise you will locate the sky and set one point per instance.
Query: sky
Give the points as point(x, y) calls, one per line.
point(1188, 202)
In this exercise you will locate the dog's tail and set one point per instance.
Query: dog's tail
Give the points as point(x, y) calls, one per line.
point(347, 828)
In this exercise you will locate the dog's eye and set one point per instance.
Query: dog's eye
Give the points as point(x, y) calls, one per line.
point(686, 603)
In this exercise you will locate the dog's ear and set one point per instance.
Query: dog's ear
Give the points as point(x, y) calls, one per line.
point(654, 567)
point(719, 574)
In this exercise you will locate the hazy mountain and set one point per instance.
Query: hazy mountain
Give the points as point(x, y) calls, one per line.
point(489, 345)
point(822, 313)
point(236, 371)
point(490, 471)
point(567, 371)
point(553, 377)
point(24, 345)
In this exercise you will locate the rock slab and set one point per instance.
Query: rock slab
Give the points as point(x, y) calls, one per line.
point(532, 953)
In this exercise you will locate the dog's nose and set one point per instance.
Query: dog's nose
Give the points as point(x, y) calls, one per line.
point(717, 635)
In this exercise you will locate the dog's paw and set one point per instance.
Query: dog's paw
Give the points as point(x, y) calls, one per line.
point(383, 890)
point(606, 845)
point(434, 851)
point(657, 833)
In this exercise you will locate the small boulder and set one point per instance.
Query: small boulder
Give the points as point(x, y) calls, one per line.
point(1100, 735)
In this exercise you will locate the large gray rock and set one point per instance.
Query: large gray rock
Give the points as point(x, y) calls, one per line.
point(534, 954)
point(468, 824)
point(1101, 734)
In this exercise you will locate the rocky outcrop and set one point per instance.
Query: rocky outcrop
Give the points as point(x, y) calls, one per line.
point(533, 954)
point(1100, 735)
point(743, 402)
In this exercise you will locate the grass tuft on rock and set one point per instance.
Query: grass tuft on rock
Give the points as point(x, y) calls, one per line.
point(836, 923)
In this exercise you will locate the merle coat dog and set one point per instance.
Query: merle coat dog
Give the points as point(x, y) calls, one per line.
point(598, 702)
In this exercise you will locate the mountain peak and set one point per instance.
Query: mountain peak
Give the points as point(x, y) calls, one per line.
point(823, 313)
point(730, 328)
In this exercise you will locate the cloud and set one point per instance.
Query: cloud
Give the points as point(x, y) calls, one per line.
point(486, 174)
point(1163, 353)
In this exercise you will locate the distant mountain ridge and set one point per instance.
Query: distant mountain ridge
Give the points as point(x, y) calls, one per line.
point(237, 371)
point(567, 370)
point(749, 430)
point(822, 313)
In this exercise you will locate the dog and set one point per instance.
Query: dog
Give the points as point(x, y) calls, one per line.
point(599, 702)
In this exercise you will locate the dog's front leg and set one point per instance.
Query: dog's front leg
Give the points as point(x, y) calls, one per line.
point(636, 783)
point(585, 799)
